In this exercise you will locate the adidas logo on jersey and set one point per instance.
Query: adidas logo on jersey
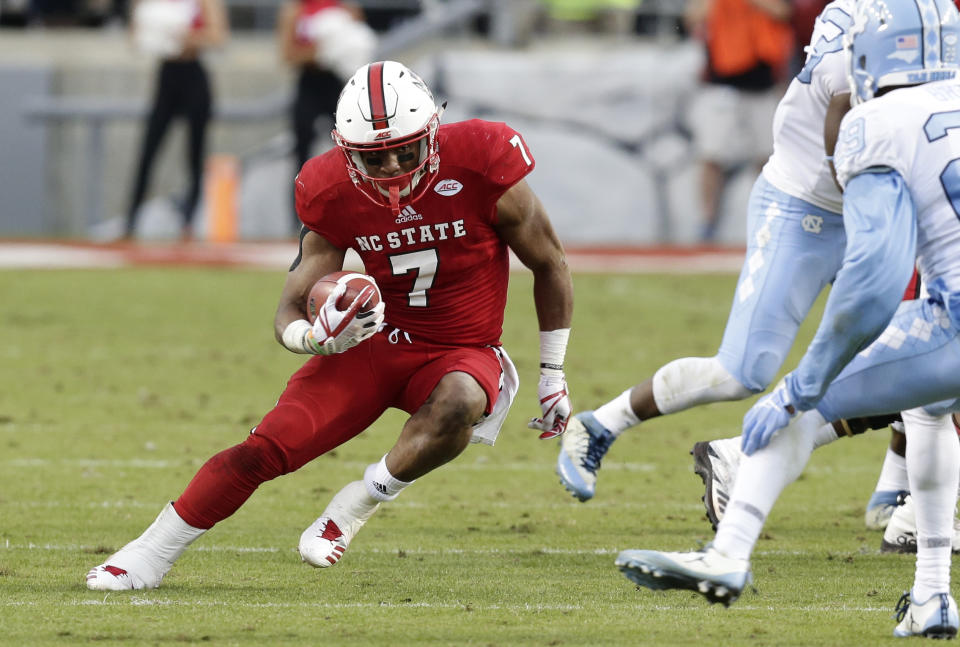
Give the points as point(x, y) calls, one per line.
point(407, 215)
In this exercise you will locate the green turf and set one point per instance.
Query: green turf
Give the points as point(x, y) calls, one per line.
point(116, 385)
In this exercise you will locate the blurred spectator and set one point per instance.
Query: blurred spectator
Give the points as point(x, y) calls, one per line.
point(119, 11)
point(177, 32)
point(55, 13)
point(326, 41)
point(14, 13)
point(748, 48)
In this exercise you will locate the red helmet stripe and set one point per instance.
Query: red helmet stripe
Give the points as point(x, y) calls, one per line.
point(378, 103)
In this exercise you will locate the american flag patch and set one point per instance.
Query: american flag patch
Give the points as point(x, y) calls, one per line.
point(907, 42)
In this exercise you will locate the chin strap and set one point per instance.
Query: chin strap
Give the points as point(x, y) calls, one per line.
point(395, 199)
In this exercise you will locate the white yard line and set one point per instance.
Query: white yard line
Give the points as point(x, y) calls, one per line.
point(124, 600)
point(533, 550)
point(138, 463)
point(484, 465)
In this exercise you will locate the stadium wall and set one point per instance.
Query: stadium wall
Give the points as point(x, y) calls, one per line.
point(605, 119)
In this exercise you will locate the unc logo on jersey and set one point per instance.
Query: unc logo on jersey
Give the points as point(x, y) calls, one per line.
point(812, 224)
point(448, 187)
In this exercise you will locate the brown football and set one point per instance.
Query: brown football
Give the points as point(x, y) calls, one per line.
point(355, 281)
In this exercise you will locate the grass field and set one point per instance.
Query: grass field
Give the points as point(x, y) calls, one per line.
point(116, 385)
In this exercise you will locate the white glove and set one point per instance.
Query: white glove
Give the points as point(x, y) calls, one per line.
point(555, 404)
point(335, 331)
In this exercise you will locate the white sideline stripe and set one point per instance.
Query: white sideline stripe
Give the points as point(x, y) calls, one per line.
point(37, 256)
point(16, 255)
point(122, 599)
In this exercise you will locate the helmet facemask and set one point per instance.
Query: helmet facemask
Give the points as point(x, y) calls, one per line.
point(401, 189)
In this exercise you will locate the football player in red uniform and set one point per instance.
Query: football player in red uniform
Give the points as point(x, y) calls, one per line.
point(433, 212)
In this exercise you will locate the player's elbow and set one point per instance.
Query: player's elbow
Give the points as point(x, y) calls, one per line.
point(550, 265)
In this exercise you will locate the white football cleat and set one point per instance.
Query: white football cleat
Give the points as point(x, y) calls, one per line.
point(880, 508)
point(900, 536)
point(716, 462)
point(113, 578)
point(935, 618)
point(143, 562)
point(582, 447)
point(324, 542)
point(708, 572)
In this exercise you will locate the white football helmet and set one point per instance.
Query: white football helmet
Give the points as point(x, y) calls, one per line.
point(386, 105)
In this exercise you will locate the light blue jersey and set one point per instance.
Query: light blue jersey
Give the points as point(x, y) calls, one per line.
point(795, 236)
point(899, 161)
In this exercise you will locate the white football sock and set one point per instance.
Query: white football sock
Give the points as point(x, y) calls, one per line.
point(153, 553)
point(381, 484)
point(933, 460)
point(826, 434)
point(893, 474)
point(760, 480)
point(617, 415)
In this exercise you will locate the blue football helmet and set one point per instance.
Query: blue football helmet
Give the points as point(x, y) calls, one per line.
point(901, 42)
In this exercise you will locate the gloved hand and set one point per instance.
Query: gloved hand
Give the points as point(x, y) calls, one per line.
point(555, 404)
point(335, 331)
point(769, 414)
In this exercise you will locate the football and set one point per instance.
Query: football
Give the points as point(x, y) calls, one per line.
point(355, 281)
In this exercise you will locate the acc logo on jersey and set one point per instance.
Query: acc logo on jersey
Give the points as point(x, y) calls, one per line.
point(448, 187)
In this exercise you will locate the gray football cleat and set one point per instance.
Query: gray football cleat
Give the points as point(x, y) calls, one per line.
point(716, 462)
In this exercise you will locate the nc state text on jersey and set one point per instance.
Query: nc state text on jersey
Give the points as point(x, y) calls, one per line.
point(412, 236)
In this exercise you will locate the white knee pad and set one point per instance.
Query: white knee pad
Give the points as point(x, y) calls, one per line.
point(692, 381)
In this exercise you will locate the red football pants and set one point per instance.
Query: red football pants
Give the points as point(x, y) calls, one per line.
point(327, 402)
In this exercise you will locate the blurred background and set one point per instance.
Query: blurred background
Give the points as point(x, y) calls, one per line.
point(600, 89)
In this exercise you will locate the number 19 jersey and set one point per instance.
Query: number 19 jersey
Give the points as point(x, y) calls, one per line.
point(916, 132)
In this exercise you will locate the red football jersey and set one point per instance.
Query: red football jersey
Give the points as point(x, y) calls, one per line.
point(441, 267)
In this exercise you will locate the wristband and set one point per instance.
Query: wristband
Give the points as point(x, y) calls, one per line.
point(553, 348)
point(295, 337)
